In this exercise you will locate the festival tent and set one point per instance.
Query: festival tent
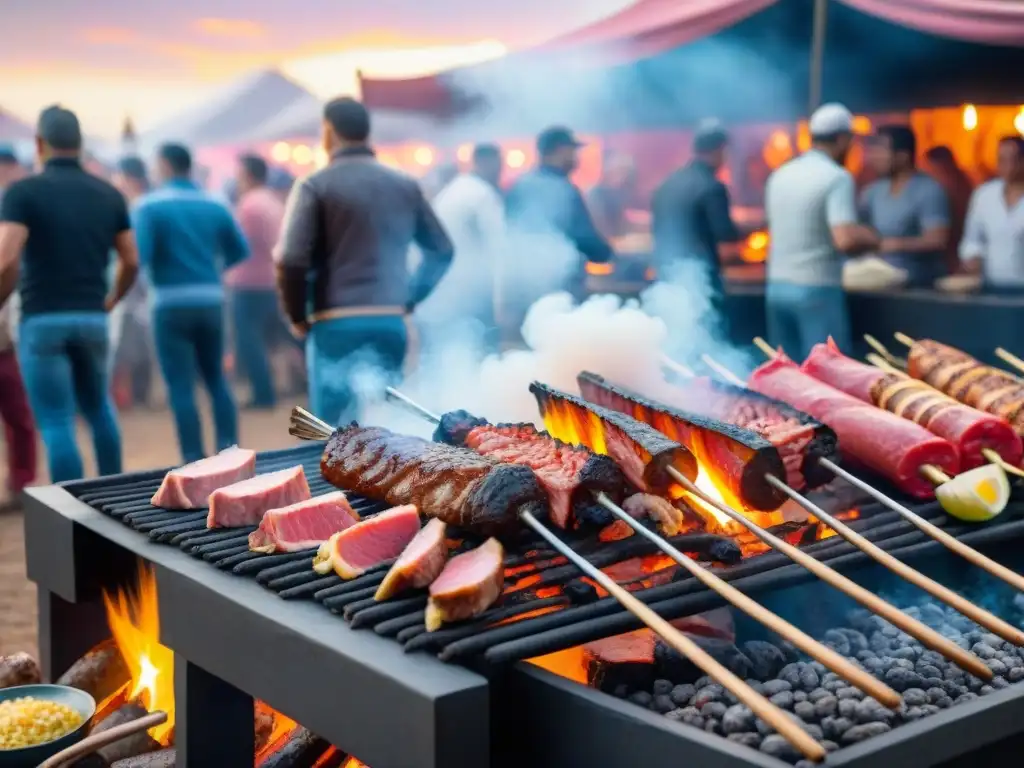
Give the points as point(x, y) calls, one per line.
point(662, 63)
point(234, 111)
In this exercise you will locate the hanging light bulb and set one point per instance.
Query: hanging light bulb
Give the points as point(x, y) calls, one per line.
point(1018, 121)
point(970, 117)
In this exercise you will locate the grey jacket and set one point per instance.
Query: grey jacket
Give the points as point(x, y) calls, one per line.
point(345, 241)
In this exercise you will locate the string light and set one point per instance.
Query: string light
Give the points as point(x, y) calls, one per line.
point(1018, 121)
point(515, 158)
point(281, 152)
point(423, 155)
point(970, 117)
point(464, 153)
point(302, 155)
point(320, 157)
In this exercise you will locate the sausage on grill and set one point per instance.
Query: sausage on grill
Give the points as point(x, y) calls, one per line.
point(736, 459)
point(969, 429)
point(453, 484)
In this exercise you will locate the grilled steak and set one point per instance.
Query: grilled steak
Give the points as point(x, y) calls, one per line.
point(460, 487)
point(571, 475)
point(737, 459)
point(246, 502)
point(375, 540)
point(190, 486)
point(304, 525)
point(969, 429)
point(468, 585)
point(419, 564)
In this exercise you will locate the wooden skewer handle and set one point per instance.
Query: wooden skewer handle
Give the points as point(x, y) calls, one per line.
point(677, 367)
point(994, 458)
point(1008, 357)
point(765, 347)
point(902, 338)
point(722, 371)
point(90, 744)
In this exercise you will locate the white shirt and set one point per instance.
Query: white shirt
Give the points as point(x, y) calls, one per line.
point(995, 234)
point(472, 212)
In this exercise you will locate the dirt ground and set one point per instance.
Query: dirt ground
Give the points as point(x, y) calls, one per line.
point(149, 442)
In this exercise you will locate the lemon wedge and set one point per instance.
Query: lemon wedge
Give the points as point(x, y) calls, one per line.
point(976, 495)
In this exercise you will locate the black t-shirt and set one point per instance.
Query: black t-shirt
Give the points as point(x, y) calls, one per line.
point(72, 219)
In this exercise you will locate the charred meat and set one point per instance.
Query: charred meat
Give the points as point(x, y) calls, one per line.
point(570, 474)
point(453, 484)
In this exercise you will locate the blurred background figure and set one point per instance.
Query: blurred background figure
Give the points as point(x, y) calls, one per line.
point(130, 335)
point(993, 243)
point(472, 212)
point(343, 264)
point(57, 231)
point(906, 207)
point(942, 165)
point(186, 238)
point(691, 221)
point(256, 318)
point(611, 197)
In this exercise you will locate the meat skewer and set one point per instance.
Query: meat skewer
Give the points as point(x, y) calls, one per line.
point(927, 636)
point(990, 621)
point(1008, 357)
point(307, 424)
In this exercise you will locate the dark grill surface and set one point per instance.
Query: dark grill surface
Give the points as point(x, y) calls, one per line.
point(568, 616)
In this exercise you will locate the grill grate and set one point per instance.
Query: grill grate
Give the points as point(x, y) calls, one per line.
point(570, 616)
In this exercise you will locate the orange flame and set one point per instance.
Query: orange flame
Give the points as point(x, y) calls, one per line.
point(824, 532)
point(755, 249)
point(135, 625)
point(354, 763)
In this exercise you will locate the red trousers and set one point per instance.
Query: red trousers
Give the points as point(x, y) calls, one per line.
point(18, 425)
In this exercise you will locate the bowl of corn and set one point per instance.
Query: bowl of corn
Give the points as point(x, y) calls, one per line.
point(38, 721)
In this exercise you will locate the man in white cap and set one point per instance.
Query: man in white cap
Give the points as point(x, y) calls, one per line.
point(810, 204)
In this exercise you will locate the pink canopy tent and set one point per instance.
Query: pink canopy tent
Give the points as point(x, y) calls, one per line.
point(991, 22)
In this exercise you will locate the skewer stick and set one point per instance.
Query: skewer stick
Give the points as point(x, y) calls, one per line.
point(1008, 357)
point(763, 708)
point(722, 371)
point(832, 660)
point(412, 405)
point(924, 634)
point(677, 367)
point(769, 351)
point(903, 339)
point(975, 613)
point(881, 349)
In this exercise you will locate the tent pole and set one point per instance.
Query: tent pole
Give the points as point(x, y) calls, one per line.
point(817, 53)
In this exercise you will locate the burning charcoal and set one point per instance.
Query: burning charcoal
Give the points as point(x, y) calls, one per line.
point(964, 697)
point(906, 652)
point(915, 697)
point(896, 663)
point(945, 702)
point(997, 667)
point(790, 651)
point(986, 690)
point(714, 709)
point(766, 659)
point(136, 744)
point(776, 686)
point(809, 678)
point(954, 674)
point(879, 643)
point(1015, 675)
point(832, 686)
point(687, 715)
point(838, 642)
point(642, 699)
point(621, 660)
point(835, 727)
point(713, 726)
point(162, 759)
point(849, 692)
point(779, 748)
point(953, 689)
point(814, 730)
point(914, 713)
point(679, 669)
point(799, 696)
point(983, 651)
point(783, 700)
point(301, 749)
point(579, 592)
point(866, 731)
point(791, 673)
point(934, 694)
point(875, 665)
point(708, 694)
point(817, 695)
point(752, 740)
point(804, 710)
point(19, 669)
point(993, 640)
point(703, 682)
point(999, 683)
point(901, 679)
point(263, 724)
point(865, 654)
point(738, 719)
point(870, 711)
point(663, 704)
point(99, 673)
point(830, 746)
point(848, 708)
point(827, 706)
point(682, 694)
point(662, 687)
point(928, 670)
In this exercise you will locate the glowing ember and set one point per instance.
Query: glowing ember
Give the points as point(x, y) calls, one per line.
point(135, 625)
point(825, 532)
point(354, 763)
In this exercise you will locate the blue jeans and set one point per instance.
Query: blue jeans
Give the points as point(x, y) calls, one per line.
point(64, 364)
point(189, 341)
point(352, 356)
point(258, 329)
point(800, 316)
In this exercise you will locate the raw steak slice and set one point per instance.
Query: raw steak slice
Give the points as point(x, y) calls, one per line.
point(304, 525)
point(246, 502)
point(190, 486)
point(468, 585)
point(420, 563)
point(366, 544)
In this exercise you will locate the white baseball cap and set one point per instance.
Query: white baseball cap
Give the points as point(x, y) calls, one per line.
point(830, 119)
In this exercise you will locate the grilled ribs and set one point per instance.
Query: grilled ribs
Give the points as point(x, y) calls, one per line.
point(572, 475)
point(453, 484)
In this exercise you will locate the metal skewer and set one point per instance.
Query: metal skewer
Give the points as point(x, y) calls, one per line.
point(758, 704)
point(923, 633)
point(822, 653)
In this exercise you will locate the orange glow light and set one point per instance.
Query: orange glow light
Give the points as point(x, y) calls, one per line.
point(600, 270)
point(135, 625)
point(423, 156)
point(970, 117)
point(755, 249)
point(302, 155)
point(281, 152)
point(516, 158)
point(464, 153)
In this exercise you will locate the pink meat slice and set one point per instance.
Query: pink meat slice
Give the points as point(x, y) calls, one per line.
point(246, 502)
point(469, 584)
point(419, 564)
point(373, 541)
point(190, 486)
point(303, 525)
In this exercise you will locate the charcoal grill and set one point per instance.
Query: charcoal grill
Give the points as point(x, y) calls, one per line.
point(234, 640)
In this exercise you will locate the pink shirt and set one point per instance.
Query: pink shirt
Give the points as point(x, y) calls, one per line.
point(260, 213)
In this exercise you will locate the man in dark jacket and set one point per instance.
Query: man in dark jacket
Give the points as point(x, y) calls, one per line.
point(550, 229)
point(343, 264)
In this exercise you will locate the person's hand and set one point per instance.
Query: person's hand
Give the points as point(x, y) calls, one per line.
point(299, 330)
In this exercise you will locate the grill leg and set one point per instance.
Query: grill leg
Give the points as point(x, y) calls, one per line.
point(67, 631)
point(213, 721)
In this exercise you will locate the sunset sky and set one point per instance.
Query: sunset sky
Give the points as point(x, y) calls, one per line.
point(109, 58)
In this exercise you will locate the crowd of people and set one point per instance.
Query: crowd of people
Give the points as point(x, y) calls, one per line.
point(114, 276)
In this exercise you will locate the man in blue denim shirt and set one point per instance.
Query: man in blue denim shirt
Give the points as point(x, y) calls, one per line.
point(56, 231)
point(186, 240)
